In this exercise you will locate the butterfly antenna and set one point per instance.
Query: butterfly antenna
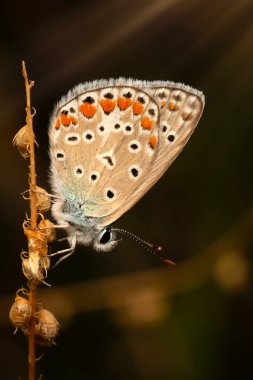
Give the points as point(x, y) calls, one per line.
point(149, 247)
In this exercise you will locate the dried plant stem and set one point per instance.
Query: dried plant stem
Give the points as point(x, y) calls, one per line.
point(33, 210)
point(31, 336)
point(29, 122)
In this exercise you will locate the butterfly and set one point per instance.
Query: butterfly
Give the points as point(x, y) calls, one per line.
point(110, 142)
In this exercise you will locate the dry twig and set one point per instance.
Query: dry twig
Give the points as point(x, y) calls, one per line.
point(33, 210)
point(37, 323)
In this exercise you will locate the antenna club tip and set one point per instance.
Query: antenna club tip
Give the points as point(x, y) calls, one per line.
point(169, 262)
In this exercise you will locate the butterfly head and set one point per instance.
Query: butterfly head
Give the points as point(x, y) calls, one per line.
point(102, 239)
point(85, 228)
point(105, 239)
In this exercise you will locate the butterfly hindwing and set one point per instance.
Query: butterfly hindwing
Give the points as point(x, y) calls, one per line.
point(111, 141)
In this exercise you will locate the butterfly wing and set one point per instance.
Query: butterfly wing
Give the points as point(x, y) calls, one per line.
point(111, 142)
point(180, 108)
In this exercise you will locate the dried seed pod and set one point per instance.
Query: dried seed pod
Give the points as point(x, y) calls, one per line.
point(48, 230)
point(43, 201)
point(20, 312)
point(47, 328)
point(37, 258)
point(32, 269)
point(45, 263)
point(37, 240)
point(21, 140)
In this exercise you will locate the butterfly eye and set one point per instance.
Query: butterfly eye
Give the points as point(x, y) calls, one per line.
point(106, 236)
point(105, 240)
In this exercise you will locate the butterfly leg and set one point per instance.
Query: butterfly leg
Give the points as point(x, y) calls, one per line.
point(66, 252)
point(53, 196)
point(58, 241)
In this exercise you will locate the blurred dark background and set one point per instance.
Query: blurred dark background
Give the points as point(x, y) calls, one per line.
point(124, 314)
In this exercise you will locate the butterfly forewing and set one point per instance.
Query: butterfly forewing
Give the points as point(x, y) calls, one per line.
point(180, 109)
point(102, 146)
point(111, 143)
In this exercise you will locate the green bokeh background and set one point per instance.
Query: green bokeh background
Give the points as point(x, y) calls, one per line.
point(124, 315)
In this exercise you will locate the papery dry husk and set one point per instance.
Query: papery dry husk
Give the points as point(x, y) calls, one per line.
point(48, 230)
point(20, 312)
point(47, 328)
point(32, 269)
point(43, 200)
point(21, 141)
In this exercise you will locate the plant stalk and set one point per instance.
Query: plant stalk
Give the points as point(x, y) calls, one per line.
point(33, 216)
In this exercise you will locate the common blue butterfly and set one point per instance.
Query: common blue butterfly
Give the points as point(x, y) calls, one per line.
point(110, 141)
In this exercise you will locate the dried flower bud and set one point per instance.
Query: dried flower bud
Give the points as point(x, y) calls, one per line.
point(47, 328)
point(20, 312)
point(21, 140)
point(37, 257)
point(32, 269)
point(45, 263)
point(43, 201)
point(48, 230)
point(37, 240)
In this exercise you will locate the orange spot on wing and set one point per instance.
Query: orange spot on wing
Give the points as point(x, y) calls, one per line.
point(124, 103)
point(152, 142)
point(73, 120)
point(138, 108)
point(108, 105)
point(65, 120)
point(146, 122)
point(88, 110)
point(163, 104)
point(186, 116)
point(57, 124)
point(173, 107)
